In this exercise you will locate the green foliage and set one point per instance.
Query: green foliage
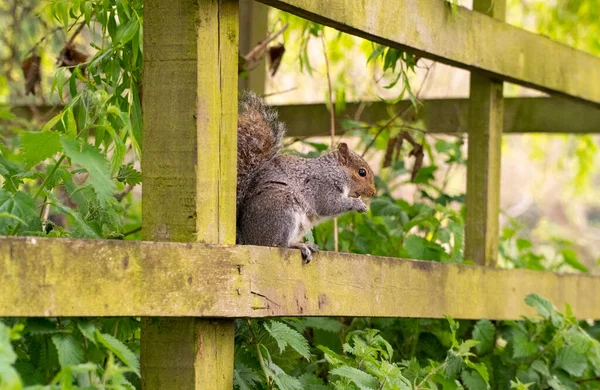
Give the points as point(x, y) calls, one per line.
point(553, 351)
point(516, 251)
point(67, 354)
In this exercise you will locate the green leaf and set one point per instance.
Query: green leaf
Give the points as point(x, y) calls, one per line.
point(88, 330)
point(362, 379)
point(286, 336)
point(425, 174)
point(571, 259)
point(119, 349)
point(38, 146)
point(22, 206)
point(9, 377)
point(90, 158)
point(7, 354)
point(126, 31)
point(485, 333)
point(571, 361)
point(311, 382)
point(80, 227)
point(287, 382)
point(52, 122)
point(453, 365)
point(129, 175)
point(472, 380)
point(323, 323)
point(244, 378)
point(522, 346)
point(69, 349)
point(544, 307)
point(120, 150)
point(419, 248)
point(578, 341)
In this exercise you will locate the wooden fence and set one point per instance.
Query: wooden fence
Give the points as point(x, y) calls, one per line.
point(199, 282)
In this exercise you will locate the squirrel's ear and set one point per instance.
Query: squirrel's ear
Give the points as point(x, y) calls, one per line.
point(344, 152)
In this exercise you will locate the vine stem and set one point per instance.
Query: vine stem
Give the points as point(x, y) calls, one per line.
point(331, 128)
point(51, 174)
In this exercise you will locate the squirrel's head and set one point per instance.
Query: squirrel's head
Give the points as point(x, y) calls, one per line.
point(362, 181)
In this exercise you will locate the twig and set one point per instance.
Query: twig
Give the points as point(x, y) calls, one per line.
point(331, 128)
point(119, 196)
point(133, 231)
point(279, 92)
point(52, 32)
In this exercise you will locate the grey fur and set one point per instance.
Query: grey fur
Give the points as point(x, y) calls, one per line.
point(281, 197)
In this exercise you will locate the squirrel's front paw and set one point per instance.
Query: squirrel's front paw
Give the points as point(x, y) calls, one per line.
point(359, 206)
point(307, 249)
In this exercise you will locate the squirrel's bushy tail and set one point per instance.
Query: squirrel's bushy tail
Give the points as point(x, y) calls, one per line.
point(259, 137)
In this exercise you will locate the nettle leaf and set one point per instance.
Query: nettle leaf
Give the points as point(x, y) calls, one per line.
point(472, 380)
point(283, 380)
point(38, 146)
point(21, 206)
point(578, 341)
point(544, 307)
point(362, 379)
point(311, 382)
point(129, 175)
point(453, 365)
point(485, 333)
point(118, 348)
point(244, 378)
point(573, 362)
point(69, 349)
point(90, 158)
point(286, 336)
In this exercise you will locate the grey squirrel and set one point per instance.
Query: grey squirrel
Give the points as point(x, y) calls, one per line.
point(281, 197)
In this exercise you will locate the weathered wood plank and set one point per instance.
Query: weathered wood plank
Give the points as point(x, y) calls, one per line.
point(189, 165)
point(127, 278)
point(521, 115)
point(254, 18)
point(468, 40)
point(486, 112)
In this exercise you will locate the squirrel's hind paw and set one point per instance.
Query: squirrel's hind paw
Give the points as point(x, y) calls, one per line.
point(307, 249)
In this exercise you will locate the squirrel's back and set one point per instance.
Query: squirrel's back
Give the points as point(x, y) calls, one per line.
point(259, 138)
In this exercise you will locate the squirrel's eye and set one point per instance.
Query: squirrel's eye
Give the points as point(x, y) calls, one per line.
point(362, 172)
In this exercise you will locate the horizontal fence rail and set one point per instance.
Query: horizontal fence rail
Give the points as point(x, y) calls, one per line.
point(521, 115)
point(465, 39)
point(129, 278)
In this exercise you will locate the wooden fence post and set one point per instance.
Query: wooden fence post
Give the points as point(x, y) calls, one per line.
point(486, 115)
point(189, 167)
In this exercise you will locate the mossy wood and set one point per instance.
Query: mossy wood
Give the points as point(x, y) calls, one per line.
point(189, 165)
point(486, 114)
point(521, 115)
point(127, 278)
point(254, 20)
point(466, 39)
